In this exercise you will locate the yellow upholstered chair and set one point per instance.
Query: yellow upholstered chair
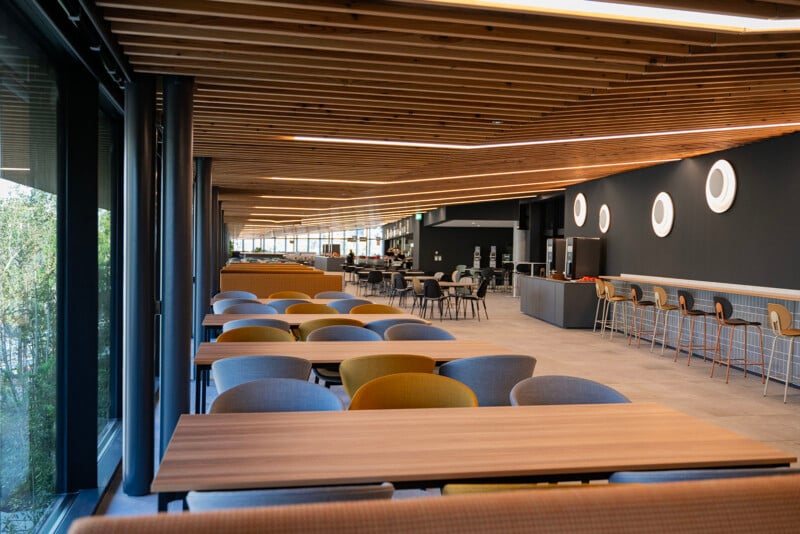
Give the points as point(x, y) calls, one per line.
point(781, 321)
point(356, 372)
point(310, 307)
point(412, 390)
point(289, 295)
point(375, 308)
point(255, 333)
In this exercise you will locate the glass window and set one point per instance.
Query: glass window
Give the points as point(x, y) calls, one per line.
point(28, 228)
point(106, 177)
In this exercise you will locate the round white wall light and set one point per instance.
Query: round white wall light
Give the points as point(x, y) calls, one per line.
point(604, 218)
point(720, 186)
point(663, 214)
point(579, 209)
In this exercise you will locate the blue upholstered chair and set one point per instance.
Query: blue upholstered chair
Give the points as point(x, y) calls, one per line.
point(491, 377)
point(276, 395)
point(557, 389)
point(230, 372)
point(412, 331)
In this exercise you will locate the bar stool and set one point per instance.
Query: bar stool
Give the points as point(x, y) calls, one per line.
point(662, 305)
point(781, 321)
point(613, 299)
point(600, 309)
point(639, 307)
point(724, 310)
point(686, 303)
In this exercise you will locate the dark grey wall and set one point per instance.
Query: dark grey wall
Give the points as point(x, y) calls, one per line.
point(456, 246)
point(755, 242)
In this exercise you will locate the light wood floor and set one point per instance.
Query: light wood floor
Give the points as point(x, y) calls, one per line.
point(640, 375)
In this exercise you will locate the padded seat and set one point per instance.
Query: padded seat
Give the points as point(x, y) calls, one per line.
point(639, 307)
point(491, 377)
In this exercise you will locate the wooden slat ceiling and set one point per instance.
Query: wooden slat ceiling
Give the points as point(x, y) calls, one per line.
point(411, 71)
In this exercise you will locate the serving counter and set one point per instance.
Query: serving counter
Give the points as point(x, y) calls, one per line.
point(563, 303)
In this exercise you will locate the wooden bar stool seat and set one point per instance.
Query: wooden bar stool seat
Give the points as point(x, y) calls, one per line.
point(781, 321)
point(662, 305)
point(639, 307)
point(724, 310)
point(686, 304)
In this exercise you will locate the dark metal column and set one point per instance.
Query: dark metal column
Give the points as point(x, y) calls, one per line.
point(138, 288)
point(203, 246)
point(216, 237)
point(76, 405)
point(176, 263)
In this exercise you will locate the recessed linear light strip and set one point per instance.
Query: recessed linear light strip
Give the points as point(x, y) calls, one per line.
point(15, 169)
point(463, 176)
point(447, 146)
point(634, 13)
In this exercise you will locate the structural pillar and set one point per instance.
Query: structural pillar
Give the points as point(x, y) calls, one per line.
point(203, 246)
point(138, 418)
point(176, 257)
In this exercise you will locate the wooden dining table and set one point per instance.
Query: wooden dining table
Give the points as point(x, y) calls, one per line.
point(332, 352)
point(433, 447)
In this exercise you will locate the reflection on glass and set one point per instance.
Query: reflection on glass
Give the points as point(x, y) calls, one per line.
point(28, 223)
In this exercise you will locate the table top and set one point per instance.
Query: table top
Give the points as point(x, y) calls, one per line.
point(336, 351)
point(290, 449)
point(736, 289)
point(294, 319)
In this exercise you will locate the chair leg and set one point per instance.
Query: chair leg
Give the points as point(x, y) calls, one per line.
point(769, 365)
point(485, 311)
point(682, 320)
point(788, 370)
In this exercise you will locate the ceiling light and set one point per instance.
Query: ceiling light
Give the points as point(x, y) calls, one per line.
point(633, 13)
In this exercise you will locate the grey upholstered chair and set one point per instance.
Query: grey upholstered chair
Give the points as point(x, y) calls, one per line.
point(256, 321)
point(251, 307)
point(235, 295)
point(276, 395)
point(558, 389)
point(215, 500)
point(411, 331)
point(680, 475)
point(334, 295)
point(381, 325)
point(230, 372)
point(280, 305)
point(220, 306)
point(341, 332)
point(491, 377)
point(345, 305)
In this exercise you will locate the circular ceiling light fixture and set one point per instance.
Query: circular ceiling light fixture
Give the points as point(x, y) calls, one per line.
point(720, 186)
point(579, 209)
point(604, 218)
point(663, 214)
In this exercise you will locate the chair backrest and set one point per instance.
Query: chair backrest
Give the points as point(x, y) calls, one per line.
point(412, 390)
point(722, 308)
point(491, 377)
point(610, 290)
point(481, 292)
point(256, 321)
point(375, 308)
point(461, 267)
point(600, 288)
point(381, 325)
point(660, 296)
point(356, 372)
point(230, 372)
point(289, 295)
point(235, 295)
point(343, 332)
point(432, 289)
point(455, 276)
point(251, 307)
point(310, 307)
point(280, 305)
point(217, 500)
point(220, 306)
point(255, 333)
point(309, 326)
point(556, 389)
point(374, 277)
point(412, 331)
point(685, 300)
point(780, 318)
point(438, 275)
point(636, 293)
point(400, 281)
point(419, 287)
point(334, 295)
point(276, 395)
point(345, 305)
point(681, 475)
